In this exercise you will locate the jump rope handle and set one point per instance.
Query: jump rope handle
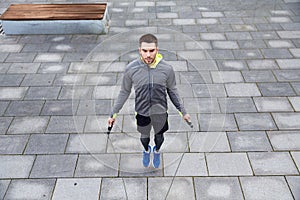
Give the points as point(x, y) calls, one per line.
point(190, 123)
point(109, 128)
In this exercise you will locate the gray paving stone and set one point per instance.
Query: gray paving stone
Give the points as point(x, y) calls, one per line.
point(12, 144)
point(242, 90)
point(76, 188)
point(131, 166)
point(47, 144)
point(262, 64)
point(3, 106)
point(104, 79)
point(3, 187)
point(258, 76)
point(76, 92)
point(24, 125)
point(24, 68)
point(174, 142)
point(206, 21)
point(20, 57)
point(42, 93)
point(193, 77)
point(244, 27)
point(48, 57)
point(287, 121)
point(24, 108)
point(289, 34)
point(296, 87)
point(251, 44)
point(35, 48)
point(12, 48)
point(3, 56)
point(192, 55)
point(294, 184)
point(61, 107)
point(96, 124)
point(38, 80)
point(284, 140)
point(295, 101)
point(247, 54)
point(217, 122)
point(94, 107)
point(226, 76)
point(288, 63)
point(53, 166)
point(269, 187)
point(228, 164)
point(255, 121)
point(66, 124)
point(113, 188)
point(272, 104)
point(295, 52)
point(218, 188)
point(11, 80)
point(184, 164)
point(34, 39)
point(30, 189)
point(269, 27)
point(83, 67)
point(236, 105)
point(179, 188)
point(220, 54)
point(272, 163)
point(287, 75)
point(209, 90)
point(280, 44)
point(296, 157)
point(51, 68)
point(106, 92)
point(276, 89)
point(4, 67)
point(15, 166)
point(238, 36)
point(208, 142)
point(201, 105)
point(12, 93)
point(87, 143)
point(276, 53)
point(97, 165)
point(249, 141)
point(124, 143)
point(212, 36)
point(69, 79)
point(220, 28)
point(232, 65)
point(266, 35)
point(4, 124)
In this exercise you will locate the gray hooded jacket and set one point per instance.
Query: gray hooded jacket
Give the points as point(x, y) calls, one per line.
point(151, 85)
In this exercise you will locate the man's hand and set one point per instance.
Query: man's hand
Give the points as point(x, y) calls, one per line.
point(111, 121)
point(187, 117)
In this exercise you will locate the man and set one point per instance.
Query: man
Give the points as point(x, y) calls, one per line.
point(152, 79)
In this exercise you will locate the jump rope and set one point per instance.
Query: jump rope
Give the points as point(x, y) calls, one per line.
point(109, 128)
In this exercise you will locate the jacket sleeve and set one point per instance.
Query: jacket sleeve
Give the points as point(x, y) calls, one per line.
point(173, 93)
point(123, 94)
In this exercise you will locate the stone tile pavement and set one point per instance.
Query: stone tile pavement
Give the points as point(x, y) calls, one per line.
point(237, 67)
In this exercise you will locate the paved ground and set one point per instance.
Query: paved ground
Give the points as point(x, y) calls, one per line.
point(238, 71)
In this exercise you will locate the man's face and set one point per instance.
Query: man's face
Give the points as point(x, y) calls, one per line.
point(148, 52)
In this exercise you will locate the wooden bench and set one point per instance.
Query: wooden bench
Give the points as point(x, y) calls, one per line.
point(55, 19)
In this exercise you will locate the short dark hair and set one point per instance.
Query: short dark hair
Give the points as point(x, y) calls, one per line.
point(148, 38)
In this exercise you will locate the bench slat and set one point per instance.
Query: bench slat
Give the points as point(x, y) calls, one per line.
point(54, 12)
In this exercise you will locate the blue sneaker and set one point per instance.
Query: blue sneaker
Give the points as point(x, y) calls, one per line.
point(156, 158)
point(146, 157)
